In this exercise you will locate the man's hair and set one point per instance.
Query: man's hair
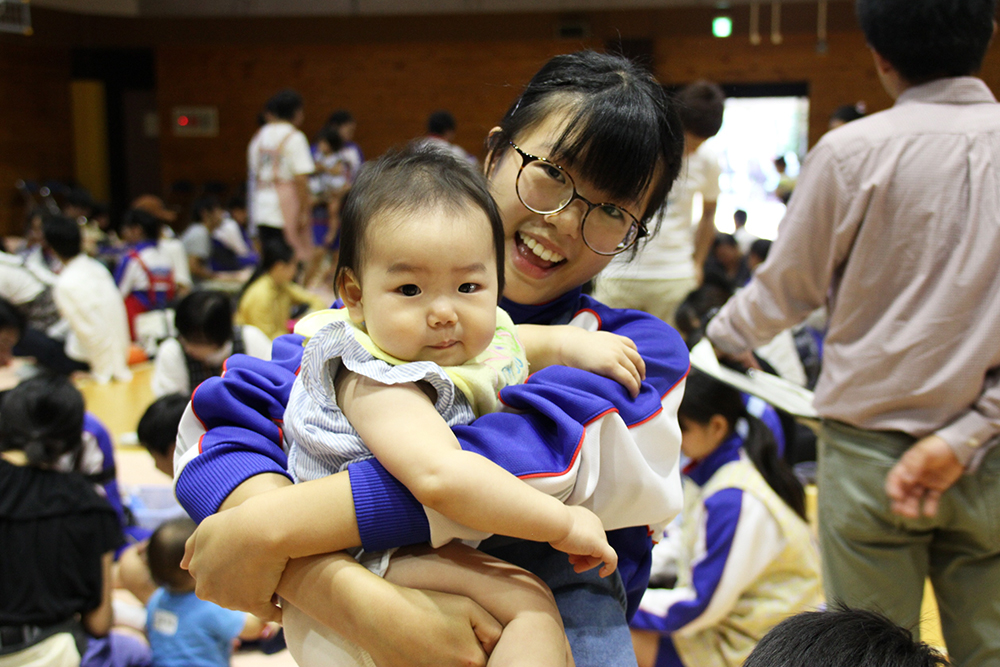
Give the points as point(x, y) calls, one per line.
point(157, 430)
point(165, 551)
point(841, 637)
point(700, 105)
point(440, 122)
point(419, 176)
point(740, 217)
point(284, 104)
point(205, 316)
point(929, 39)
point(62, 235)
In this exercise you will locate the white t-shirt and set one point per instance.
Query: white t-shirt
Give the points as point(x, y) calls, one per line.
point(89, 300)
point(170, 371)
point(294, 160)
point(18, 284)
point(669, 255)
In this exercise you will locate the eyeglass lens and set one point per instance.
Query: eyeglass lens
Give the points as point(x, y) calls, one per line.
point(544, 188)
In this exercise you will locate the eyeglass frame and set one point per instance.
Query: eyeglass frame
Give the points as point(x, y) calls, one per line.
point(528, 158)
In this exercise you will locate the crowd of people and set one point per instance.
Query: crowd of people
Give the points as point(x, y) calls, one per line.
point(617, 507)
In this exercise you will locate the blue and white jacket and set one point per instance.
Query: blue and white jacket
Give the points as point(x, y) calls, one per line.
point(568, 427)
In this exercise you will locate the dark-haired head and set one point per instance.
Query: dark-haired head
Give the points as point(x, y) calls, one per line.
point(841, 637)
point(330, 134)
point(418, 177)
point(847, 113)
point(440, 123)
point(42, 417)
point(340, 117)
point(205, 317)
point(157, 429)
point(148, 225)
point(63, 235)
point(284, 105)
point(706, 399)
point(621, 134)
point(164, 554)
point(929, 39)
point(701, 105)
point(205, 207)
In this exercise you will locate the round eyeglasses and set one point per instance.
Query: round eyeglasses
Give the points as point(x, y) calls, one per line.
point(546, 188)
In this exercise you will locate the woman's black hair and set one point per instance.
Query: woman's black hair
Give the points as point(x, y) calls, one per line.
point(203, 205)
point(157, 429)
point(284, 104)
point(418, 176)
point(42, 417)
point(150, 225)
point(272, 251)
point(705, 397)
point(623, 134)
point(205, 316)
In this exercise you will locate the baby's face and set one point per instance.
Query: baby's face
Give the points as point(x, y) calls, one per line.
point(428, 285)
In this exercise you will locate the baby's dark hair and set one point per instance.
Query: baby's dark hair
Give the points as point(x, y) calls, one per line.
point(157, 429)
point(418, 176)
point(842, 637)
point(705, 397)
point(165, 551)
point(205, 316)
point(42, 417)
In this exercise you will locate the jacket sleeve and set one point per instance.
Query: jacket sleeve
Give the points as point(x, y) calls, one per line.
point(232, 429)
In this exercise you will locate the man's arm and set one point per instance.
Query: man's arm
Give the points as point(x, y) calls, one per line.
point(704, 235)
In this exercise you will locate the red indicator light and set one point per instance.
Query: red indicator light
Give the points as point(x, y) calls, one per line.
point(183, 121)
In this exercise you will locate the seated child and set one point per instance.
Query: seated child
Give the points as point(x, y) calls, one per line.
point(206, 337)
point(145, 274)
point(184, 631)
point(271, 292)
point(842, 637)
point(421, 346)
point(747, 558)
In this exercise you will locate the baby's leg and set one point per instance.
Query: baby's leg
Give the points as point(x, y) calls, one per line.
point(533, 633)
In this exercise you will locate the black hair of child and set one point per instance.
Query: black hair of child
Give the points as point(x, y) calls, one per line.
point(165, 551)
point(62, 234)
point(150, 225)
point(929, 39)
point(842, 637)
point(203, 205)
point(705, 397)
point(205, 316)
point(622, 136)
point(42, 417)
point(418, 176)
point(272, 251)
point(157, 429)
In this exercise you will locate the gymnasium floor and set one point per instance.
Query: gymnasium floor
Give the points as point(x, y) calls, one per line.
point(120, 406)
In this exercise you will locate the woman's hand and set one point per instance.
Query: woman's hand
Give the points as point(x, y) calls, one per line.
point(234, 563)
point(587, 543)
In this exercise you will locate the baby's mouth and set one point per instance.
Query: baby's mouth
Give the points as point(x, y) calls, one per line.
point(536, 253)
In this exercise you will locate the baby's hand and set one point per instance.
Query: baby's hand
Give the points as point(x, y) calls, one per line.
point(604, 353)
point(587, 543)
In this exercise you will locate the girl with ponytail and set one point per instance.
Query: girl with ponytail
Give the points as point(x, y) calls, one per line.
point(58, 535)
point(747, 558)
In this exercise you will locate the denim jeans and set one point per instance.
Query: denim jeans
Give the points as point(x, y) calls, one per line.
point(592, 608)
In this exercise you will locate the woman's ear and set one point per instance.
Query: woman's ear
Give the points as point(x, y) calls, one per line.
point(349, 289)
point(488, 162)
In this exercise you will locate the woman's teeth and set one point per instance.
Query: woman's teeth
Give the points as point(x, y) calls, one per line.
point(541, 251)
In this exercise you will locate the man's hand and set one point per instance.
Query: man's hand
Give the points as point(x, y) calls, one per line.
point(233, 563)
point(915, 484)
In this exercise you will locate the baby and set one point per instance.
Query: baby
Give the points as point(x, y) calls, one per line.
point(420, 347)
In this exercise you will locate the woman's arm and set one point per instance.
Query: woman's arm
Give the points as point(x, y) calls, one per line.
point(98, 621)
